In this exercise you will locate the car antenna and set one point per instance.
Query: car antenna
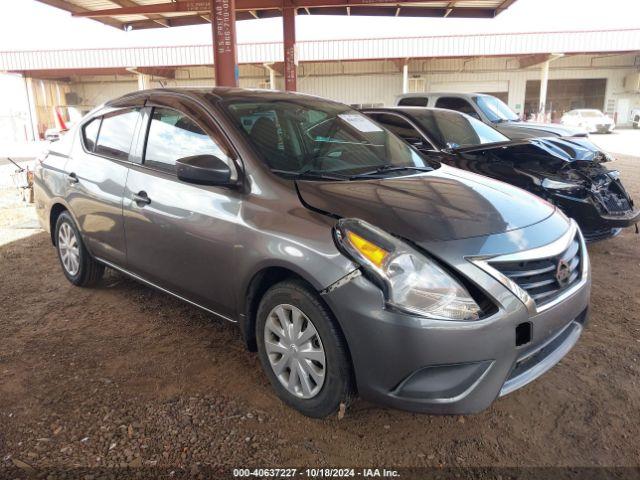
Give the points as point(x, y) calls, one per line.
point(22, 169)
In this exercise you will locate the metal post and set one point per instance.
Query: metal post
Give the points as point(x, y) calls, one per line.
point(272, 79)
point(289, 28)
point(33, 109)
point(225, 57)
point(544, 80)
point(144, 81)
point(405, 77)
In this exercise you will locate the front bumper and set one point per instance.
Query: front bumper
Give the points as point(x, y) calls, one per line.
point(594, 224)
point(447, 367)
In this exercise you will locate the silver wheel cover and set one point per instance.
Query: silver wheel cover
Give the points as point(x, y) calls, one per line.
point(69, 249)
point(295, 351)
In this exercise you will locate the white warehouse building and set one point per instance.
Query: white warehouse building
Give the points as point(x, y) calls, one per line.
point(582, 69)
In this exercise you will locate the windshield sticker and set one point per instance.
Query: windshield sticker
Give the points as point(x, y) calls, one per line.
point(360, 122)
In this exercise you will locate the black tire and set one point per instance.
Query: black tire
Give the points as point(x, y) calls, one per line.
point(636, 123)
point(338, 386)
point(89, 271)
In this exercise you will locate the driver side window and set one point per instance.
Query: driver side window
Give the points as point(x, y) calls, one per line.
point(172, 135)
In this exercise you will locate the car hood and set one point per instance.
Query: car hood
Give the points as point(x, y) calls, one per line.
point(446, 204)
point(517, 130)
point(566, 149)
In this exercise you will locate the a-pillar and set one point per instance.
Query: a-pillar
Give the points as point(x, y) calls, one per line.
point(289, 29)
point(225, 56)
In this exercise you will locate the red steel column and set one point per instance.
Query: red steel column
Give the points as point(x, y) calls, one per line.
point(225, 57)
point(289, 25)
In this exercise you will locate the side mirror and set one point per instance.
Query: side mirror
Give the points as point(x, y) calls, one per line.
point(203, 170)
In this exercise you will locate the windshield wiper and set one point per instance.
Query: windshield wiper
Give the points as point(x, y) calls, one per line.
point(389, 168)
point(311, 174)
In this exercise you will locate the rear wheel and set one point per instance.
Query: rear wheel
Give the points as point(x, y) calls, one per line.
point(78, 265)
point(636, 122)
point(302, 351)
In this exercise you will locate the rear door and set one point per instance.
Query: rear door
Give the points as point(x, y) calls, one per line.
point(96, 177)
point(181, 236)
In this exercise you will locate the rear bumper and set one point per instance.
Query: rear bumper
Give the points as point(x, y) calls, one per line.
point(446, 367)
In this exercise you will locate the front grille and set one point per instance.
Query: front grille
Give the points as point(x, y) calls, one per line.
point(614, 201)
point(545, 279)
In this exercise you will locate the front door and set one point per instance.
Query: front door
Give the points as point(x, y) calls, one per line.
point(181, 236)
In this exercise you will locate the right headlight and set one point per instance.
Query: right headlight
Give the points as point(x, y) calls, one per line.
point(559, 185)
point(411, 281)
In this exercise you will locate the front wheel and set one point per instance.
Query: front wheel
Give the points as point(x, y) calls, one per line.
point(636, 122)
point(302, 351)
point(78, 265)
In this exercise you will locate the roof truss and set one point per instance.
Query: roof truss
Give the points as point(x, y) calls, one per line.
point(192, 12)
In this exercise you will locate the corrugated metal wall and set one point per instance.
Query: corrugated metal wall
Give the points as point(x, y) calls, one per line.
point(378, 82)
point(330, 50)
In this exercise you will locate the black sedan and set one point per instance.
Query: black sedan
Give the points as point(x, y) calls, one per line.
point(568, 172)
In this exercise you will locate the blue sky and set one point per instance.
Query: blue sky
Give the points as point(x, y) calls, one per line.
point(32, 25)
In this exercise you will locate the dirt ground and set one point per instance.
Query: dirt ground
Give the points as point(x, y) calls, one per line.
point(123, 375)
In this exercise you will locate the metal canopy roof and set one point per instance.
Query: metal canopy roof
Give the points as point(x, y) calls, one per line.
point(139, 14)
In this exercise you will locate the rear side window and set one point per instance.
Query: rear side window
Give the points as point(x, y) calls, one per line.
point(414, 102)
point(90, 133)
point(116, 134)
point(173, 135)
point(402, 128)
point(457, 104)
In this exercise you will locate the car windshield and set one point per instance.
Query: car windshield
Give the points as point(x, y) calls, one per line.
point(448, 129)
point(591, 113)
point(495, 109)
point(316, 137)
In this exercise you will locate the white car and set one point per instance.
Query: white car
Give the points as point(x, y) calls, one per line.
point(593, 121)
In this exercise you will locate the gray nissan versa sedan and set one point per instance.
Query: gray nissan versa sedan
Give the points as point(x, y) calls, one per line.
point(350, 262)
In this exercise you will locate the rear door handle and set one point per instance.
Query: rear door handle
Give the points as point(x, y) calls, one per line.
point(141, 198)
point(73, 178)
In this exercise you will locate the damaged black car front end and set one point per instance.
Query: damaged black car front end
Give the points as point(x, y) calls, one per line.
point(568, 172)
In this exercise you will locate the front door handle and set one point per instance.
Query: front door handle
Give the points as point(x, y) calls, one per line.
point(141, 198)
point(73, 178)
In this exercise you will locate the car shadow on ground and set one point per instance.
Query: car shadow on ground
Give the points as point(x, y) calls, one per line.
point(122, 374)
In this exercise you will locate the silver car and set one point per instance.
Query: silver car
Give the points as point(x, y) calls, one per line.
point(351, 263)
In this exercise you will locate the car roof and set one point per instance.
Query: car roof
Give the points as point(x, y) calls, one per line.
point(409, 110)
point(221, 93)
point(440, 94)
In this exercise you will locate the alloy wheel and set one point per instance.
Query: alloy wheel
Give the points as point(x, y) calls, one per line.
point(295, 351)
point(69, 249)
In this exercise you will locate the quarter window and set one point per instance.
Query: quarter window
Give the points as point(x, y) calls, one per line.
point(413, 102)
point(173, 135)
point(116, 134)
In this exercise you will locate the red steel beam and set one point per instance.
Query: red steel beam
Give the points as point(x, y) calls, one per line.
point(225, 56)
point(204, 6)
point(289, 29)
